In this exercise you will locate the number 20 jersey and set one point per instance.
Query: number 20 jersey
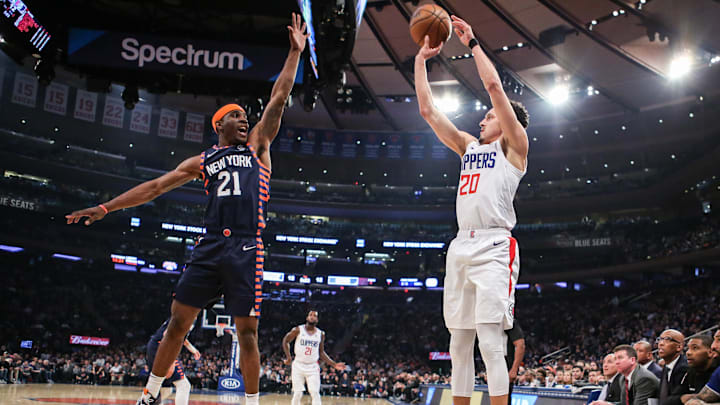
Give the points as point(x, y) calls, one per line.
point(488, 182)
point(238, 187)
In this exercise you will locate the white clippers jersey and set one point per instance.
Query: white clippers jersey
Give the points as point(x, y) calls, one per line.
point(307, 346)
point(488, 182)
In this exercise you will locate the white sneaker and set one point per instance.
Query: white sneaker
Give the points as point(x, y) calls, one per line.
point(148, 399)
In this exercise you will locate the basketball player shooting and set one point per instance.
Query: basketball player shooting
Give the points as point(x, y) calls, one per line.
point(482, 261)
point(309, 347)
point(229, 257)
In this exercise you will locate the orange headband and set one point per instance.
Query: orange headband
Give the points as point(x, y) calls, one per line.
point(221, 113)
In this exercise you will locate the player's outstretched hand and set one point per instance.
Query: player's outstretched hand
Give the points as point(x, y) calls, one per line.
point(426, 52)
point(287, 361)
point(462, 30)
point(197, 355)
point(93, 214)
point(340, 366)
point(298, 36)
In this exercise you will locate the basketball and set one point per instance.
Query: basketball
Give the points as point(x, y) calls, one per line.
point(430, 20)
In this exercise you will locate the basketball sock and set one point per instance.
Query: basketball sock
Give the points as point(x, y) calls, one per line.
point(252, 399)
point(154, 384)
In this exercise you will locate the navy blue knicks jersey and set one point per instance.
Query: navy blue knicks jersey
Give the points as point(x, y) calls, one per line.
point(238, 187)
point(158, 335)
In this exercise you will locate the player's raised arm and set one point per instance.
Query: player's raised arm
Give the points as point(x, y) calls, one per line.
point(186, 171)
point(266, 130)
point(289, 337)
point(324, 356)
point(513, 132)
point(445, 130)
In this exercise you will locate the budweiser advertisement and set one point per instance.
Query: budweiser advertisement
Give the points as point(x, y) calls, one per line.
point(89, 340)
point(439, 356)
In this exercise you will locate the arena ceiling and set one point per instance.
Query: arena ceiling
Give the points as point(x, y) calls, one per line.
point(615, 68)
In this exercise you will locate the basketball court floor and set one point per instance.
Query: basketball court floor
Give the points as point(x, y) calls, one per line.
point(41, 394)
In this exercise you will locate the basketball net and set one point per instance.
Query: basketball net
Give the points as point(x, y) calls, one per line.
point(220, 329)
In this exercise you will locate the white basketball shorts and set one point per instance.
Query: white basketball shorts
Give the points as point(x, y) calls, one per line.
point(302, 372)
point(481, 272)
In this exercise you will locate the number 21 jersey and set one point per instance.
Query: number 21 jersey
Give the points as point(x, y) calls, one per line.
point(238, 187)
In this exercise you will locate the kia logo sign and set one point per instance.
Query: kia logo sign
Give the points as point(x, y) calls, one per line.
point(230, 383)
point(89, 340)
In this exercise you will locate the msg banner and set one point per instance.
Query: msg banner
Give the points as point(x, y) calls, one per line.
point(140, 118)
point(85, 105)
point(136, 51)
point(372, 146)
point(194, 127)
point(307, 142)
point(349, 146)
point(114, 112)
point(285, 140)
point(327, 146)
point(168, 124)
point(24, 90)
point(417, 147)
point(56, 96)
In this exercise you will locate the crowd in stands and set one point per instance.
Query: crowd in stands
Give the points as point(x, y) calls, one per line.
point(297, 189)
point(383, 337)
point(545, 245)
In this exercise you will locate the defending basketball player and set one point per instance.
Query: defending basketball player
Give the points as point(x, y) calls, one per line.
point(175, 375)
point(483, 260)
point(229, 257)
point(309, 347)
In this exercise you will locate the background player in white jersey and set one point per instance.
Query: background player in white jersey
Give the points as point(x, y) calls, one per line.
point(309, 348)
point(482, 262)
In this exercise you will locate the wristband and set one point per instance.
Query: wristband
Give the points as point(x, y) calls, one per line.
point(103, 208)
point(473, 43)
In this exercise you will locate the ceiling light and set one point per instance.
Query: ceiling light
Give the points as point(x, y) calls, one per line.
point(559, 95)
point(679, 67)
point(447, 104)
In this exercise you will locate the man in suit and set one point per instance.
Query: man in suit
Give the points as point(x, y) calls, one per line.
point(611, 390)
point(645, 358)
point(637, 385)
point(670, 347)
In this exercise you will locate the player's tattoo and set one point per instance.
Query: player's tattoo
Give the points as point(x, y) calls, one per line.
point(705, 396)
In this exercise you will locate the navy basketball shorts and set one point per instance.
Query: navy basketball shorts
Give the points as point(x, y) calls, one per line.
point(229, 265)
point(177, 374)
